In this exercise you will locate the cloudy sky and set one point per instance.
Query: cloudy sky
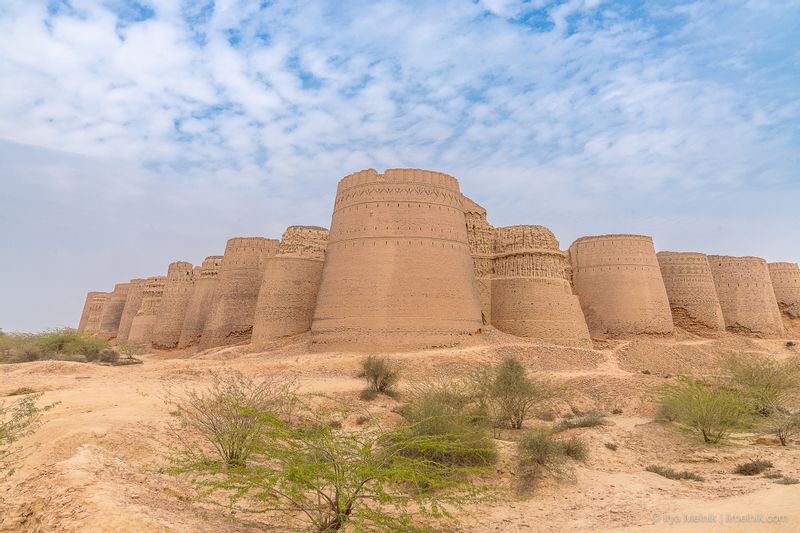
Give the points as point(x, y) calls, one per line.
point(135, 133)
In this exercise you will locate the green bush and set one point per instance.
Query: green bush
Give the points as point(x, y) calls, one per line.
point(786, 426)
point(65, 343)
point(767, 383)
point(108, 356)
point(589, 420)
point(575, 448)
point(381, 374)
point(752, 468)
point(669, 473)
point(539, 452)
point(446, 413)
point(229, 413)
point(17, 419)
point(709, 409)
point(130, 349)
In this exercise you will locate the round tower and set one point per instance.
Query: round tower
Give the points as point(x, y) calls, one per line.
point(398, 273)
point(177, 291)
point(531, 291)
point(132, 304)
point(112, 310)
point(691, 292)
point(205, 283)
point(480, 235)
point(145, 319)
point(786, 285)
point(230, 320)
point(745, 294)
point(87, 305)
point(96, 301)
point(290, 284)
point(618, 282)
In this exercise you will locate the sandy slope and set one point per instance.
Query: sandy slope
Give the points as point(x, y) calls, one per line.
point(95, 463)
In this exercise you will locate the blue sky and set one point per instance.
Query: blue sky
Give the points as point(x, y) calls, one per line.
point(135, 133)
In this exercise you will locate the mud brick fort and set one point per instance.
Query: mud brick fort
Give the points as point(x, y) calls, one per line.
point(410, 263)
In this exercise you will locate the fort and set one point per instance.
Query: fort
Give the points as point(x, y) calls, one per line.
point(205, 283)
point(112, 310)
point(745, 292)
point(290, 284)
point(145, 319)
point(411, 263)
point(398, 273)
point(619, 284)
point(691, 292)
point(531, 290)
point(480, 235)
point(786, 285)
point(230, 319)
point(175, 300)
point(132, 304)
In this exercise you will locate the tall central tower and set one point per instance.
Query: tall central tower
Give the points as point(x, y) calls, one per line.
point(398, 273)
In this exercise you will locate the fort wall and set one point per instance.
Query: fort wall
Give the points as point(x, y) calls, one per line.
point(786, 285)
point(132, 304)
point(175, 300)
point(531, 291)
point(230, 320)
point(290, 284)
point(745, 292)
point(199, 306)
point(691, 292)
point(96, 300)
point(112, 310)
point(398, 273)
point(87, 305)
point(144, 322)
point(619, 285)
point(481, 237)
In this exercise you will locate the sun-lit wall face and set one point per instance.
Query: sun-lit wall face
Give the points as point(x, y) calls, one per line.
point(398, 272)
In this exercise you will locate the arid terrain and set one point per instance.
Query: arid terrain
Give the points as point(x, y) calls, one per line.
point(97, 461)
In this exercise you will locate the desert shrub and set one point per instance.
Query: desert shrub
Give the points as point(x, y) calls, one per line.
point(611, 446)
point(773, 475)
point(381, 374)
point(446, 412)
point(229, 413)
point(540, 453)
point(507, 393)
point(786, 480)
point(786, 426)
point(21, 391)
point(709, 409)
point(790, 344)
point(331, 479)
point(616, 411)
point(753, 467)
point(130, 349)
point(64, 343)
point(17, 419)
point(669, 473)
point(588, 420)
point(575, 448)
point(108, 356)
point(766, 382)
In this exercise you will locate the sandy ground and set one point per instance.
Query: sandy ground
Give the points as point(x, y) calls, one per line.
point(96, 462)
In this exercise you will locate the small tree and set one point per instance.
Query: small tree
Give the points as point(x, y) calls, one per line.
point(508, 393)
point(786, 426)
point(381, 374)
point(712, 410)
point(131, 350)
point(320, 475)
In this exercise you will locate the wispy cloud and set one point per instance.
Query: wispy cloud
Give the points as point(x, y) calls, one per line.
point(200, 120)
